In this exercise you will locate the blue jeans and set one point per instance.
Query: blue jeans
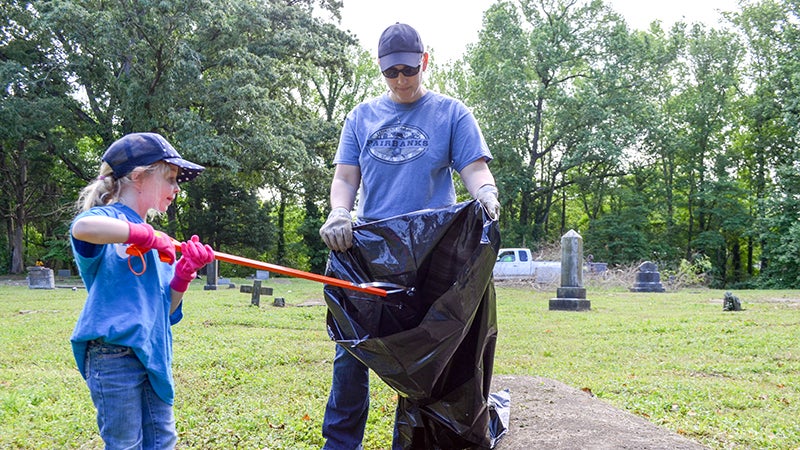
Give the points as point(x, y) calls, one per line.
point(348, 403)
point(129, 413)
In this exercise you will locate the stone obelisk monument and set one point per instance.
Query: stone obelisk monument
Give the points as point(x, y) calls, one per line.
point(571, 296)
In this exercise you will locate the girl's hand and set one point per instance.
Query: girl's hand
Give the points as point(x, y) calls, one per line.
point(195, 255)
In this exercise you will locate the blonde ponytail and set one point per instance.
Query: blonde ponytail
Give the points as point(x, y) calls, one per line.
point(102, 191)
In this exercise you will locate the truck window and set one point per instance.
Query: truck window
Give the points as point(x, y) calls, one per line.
point(523, 256)
point(506, 257)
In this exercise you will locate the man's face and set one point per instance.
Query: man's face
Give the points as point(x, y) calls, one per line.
point(406, 88)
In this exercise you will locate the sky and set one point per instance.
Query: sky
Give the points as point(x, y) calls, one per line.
point(447, 26)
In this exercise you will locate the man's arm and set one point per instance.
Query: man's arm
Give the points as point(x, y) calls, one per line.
point(475, 175)
point(346, 179)
point(337, 231)
point(480, 183)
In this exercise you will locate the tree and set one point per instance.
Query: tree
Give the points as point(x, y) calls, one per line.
point(551, 86)
point(37, 114)
point(347, 77)
point(702, 111)
point(767, 138)
point(226, 84)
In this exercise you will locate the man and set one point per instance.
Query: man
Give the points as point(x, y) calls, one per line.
point(400, 150)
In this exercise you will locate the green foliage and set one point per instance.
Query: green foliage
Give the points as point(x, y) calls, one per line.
point(36, 110)
point(656, 144)
point(554, 86)
point(781, 232)
point(693, 273)
point(618, 239)
point(58, 250)
point(769, 137)
point(229, 217)
point(228, 85)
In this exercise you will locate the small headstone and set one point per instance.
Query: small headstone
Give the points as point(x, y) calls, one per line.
point(731, 302)
point(212, 270)
point(597, 267)
point(41, 278)
point(279, 302)
point(226, 282)
point(213, 282)
point(648, 279)
point(262, 275)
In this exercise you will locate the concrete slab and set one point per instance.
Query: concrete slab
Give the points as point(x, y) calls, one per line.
point(547, 414)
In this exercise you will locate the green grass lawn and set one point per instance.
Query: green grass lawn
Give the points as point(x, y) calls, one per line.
point(255, 378)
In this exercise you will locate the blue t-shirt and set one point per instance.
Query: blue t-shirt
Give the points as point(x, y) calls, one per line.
point(407, 152)
point(123, 308)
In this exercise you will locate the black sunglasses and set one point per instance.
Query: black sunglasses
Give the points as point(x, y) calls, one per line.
point(391, 72)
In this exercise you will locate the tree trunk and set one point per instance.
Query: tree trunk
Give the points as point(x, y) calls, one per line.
point(17, 248)
point(18, 216)
point(281, 253)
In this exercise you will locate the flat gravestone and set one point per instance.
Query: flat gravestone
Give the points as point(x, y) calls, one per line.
point(262, 275)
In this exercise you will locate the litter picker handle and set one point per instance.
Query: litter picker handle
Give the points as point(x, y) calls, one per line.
point(219, 256)
point(298, 273)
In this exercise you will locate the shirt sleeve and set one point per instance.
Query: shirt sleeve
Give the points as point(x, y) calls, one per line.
point(349, 149)
point(468, 143)
point(176, 315)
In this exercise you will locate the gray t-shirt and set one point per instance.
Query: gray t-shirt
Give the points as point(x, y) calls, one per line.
point(407, 152)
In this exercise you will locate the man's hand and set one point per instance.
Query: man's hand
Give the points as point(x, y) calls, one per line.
point(337, 232)
point(487, 197)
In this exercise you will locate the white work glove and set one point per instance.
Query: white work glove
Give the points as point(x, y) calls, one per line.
point(487, 197)
point(337, 231)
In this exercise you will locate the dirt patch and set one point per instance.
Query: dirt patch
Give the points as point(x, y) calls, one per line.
point(776, 300)
point(547, 414)
point(13, 280)
point(792, 301)
point(311, 302)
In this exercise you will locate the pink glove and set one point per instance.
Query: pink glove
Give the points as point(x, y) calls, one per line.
point(146, 238)
point(195, 256)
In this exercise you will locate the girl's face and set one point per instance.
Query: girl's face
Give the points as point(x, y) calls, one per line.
point(159, 188)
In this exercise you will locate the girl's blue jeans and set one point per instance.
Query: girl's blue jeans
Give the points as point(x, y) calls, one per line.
point(129, 413)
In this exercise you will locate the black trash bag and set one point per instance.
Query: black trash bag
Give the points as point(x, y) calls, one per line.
point(435, 347)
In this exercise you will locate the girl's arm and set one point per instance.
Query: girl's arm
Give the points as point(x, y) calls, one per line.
point(100, 230)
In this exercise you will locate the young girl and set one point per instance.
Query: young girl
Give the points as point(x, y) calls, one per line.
point(122, 341)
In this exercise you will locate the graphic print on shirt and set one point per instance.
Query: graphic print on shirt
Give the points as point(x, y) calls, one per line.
point(122, 249)
point(397, 144)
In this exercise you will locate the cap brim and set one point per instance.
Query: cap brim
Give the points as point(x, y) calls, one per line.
point(410, 59)
point(189, 170)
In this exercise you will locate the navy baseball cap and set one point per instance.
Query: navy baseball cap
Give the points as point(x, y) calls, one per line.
point(400, 44)
point(142, 149)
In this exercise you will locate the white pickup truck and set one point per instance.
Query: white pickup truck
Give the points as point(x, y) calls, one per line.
point(519, 263)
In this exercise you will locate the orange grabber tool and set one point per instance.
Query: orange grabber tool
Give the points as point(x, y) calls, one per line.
point(219, 256)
